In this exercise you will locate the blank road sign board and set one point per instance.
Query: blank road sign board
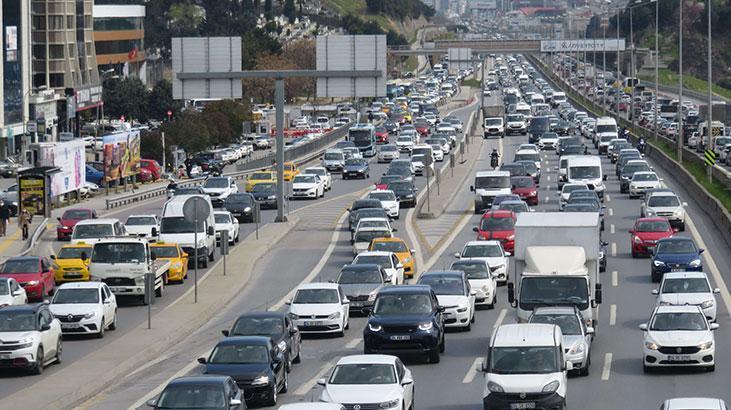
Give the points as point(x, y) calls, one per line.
point(351, 53)
point(206, 55)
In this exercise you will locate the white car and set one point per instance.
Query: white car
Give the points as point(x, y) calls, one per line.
point(643, 181)
point(667, 205)
point(419, 162)
point(219, 188)
point(566, 191)
point(85, 308)
point(700, 403)
point(481, 280)
point(678, 336)
point(11, 293)
point(388, 153)
point(688, 288)
point(370, 381)
point(405, 143)
point(548, 140)
point(31, 337)
point(352, 152)
point(528, 147)
point(313, 406)
point(374, 222)
point(363, 237)
point(454, 294)
point(387, 260)
point(323, 173)
point(308, 186)
point(389, 201)
point(145, 226)
point(320, 308)
point(225, 221)
point(437, 152)
point(491, 252)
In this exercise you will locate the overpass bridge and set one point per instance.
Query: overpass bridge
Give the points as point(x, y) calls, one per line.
point(483, 46)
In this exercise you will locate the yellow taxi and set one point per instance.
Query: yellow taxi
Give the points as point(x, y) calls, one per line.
point(290, 170)
point(399, 248)
point(178, 259)
point(260, 177)
point(68, 265)
point(407, 116)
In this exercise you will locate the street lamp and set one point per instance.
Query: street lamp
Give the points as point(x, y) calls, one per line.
point(680, 92)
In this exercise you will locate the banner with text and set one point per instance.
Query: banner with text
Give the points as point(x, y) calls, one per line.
point(591, 44)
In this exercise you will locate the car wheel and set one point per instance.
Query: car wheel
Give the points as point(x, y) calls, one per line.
point(113, 325)
point(285, 383)
point(634, 254)
point(165, 279)
point(433, 356)
point(38, 368)
point(584, 371)
point(656, 278)
point(160, 291)
point(711, 368)
point(468, 327)
point(298, 358)
point(273, 395)
point(204, 264)
point(646, 369)
point(59, 350)
point(100, 334)
point(212, 257)
point(681, 228)
point(494, 299)
point(236, 238)
point(43, 292)
point(442, 345)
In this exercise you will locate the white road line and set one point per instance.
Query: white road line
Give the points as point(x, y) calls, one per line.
point(548, 178)
point(546, 199)
point(611, 229)
point(607, 366)
point(500, 318)
point(614, 248)
point(612, 315)
point(607, 198)
point(710, 263)
point(615, 278)
point(472, 371)
point(310, 384)
point(353, 343)
point(611, 212)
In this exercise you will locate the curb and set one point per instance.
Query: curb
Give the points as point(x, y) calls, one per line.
point(37, 232)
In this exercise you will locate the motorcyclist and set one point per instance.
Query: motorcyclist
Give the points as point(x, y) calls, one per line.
point(172, 185)
point(494, 158)
point(641, 145)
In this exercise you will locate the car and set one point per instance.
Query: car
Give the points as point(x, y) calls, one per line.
point(664, 204)
point(356, 168)
point(361, 282)
point(548, 140)
point(490, 251)
point(481, 280)
point(399, 248)
point(219, 188)
point(515, 169)
point(323, 173)
point(68, 265)
point(454, 294)
point(11, 293)
point(363, 236)
point(387, 153)
point(646, 232)
point(696, 403)
point(254, 363)
point(516, 206)
point(405, 319)
point(290, 171)
point(643, 181)
point(405, 143)
point(242, 205)
point(276, 325)
point(69, 219)
point(577, 337)
point(212, 392)
point(225, 221)
point(675, 254)
point(688, 288)
point(265, 195)
point(369, 382)
point(189, 190)
point(678, 336)
point(389, 201)
point(628, 170)
point(144, 226)
point(320, 308)
point(153, 167)
point(393, 270)
point(31, 337)
point(33, 273)
point(172, 252)
point(498, 225)
point(308, 186)
point(352, 152)
point(515, 124)
point(405, 191)
point(525, 188)
point(260, 177)
point(85, 308)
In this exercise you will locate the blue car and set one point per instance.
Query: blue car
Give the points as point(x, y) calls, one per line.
point(675, 255)
point(94, 175)
point(356, 168)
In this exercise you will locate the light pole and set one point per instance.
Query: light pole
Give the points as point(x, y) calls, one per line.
point(680, 91)
point(711, 143)
point(604, 63)
point(632, 68)
point(618, 79)
point(655, 108)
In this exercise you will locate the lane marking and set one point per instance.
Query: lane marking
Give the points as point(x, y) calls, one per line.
point(471, 371)
point(710, 263)
point(611, 212)
point(310, 384)
point(548, 178)
point(607, 366)
point(611, 229)
point(612, 315)
point(353, 343)
point(546, 199)
point(614, 248)
point(615, 278)
point(607, 198)
point(500, 318)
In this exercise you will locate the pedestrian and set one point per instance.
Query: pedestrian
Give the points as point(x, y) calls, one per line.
point(24, 220)
point(4, 217)
point(188, 165)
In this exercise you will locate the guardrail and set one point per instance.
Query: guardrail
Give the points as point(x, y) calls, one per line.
point(35, 236)
point(686, 92)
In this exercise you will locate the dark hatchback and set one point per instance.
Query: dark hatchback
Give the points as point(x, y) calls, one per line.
point(675, 254)
point(405, 319)
point(265, 194)
point(361, 283)
point(356, 168)
point(254, 363)
point(200, 392)
point(242, 205)
point(515, 169)
point(628, 171)
point(360, 204)
point(405, 191)
point(276, 325)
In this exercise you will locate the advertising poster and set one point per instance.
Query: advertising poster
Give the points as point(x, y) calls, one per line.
point(70, 158)
point(121, 155)
point(11, 43)
point(31, 193)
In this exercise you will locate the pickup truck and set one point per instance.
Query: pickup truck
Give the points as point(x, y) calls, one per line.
point(122, 263)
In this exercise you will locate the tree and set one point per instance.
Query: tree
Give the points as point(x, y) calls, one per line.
point(268, 9)
point(303, 54)
point(185, 19)
point(262, 89)
point(189, 132)
point(125, 97)
point(289, 10)
point(160, 100)
point(225, 119)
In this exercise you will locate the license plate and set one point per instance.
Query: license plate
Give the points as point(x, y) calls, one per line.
point(314, 323)
point(404, 337)
point(70, 325)
point(356, 304)
point(526, 405)
point(677, 270)
point(678, 358)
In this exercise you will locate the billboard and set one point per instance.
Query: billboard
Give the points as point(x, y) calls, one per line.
point(206, 55)
point(32, 194)
point(70, 158)
point(121, 155)
point(597, 44)
point(351, 53)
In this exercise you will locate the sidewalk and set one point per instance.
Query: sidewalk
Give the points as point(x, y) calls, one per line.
point(12, 244)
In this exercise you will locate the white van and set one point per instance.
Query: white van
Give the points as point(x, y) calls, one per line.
point(525, 368)
point(90, 231)
point(586, 169)
point(558, 98)
point(605, 131)
point(523, 108)
point(537, 99)
point(488, 185)
point(175, 229)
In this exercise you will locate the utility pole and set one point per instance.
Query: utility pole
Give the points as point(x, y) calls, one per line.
point(680, 92)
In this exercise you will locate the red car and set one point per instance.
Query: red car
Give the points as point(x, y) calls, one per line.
point(498, 225)
point(422, 128)
point(68, 220)
point(145, 175)
point(381, 135)
point(646, 232)
point(152, 166)
point(526, 189)
point(33, 273)
point(385, 180)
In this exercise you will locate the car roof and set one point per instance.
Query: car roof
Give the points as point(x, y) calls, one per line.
point(249, 340)
point(685, 275)
point(525, 334)
point(24, 258)
point(318, 285)
point(367, 359)
point(98, 221)
point(405, 289)
point(209, 379)
point(263, 314)
point(688, 403)
point(498, 213)
point(456, 273)
point(678, 309)
point(676, 239)
point(555, 310)
point(27, 308)
point(373, 253)
point(80, 285)
point(141, 216)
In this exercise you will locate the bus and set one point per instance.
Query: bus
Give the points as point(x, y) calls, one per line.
point(364, 138)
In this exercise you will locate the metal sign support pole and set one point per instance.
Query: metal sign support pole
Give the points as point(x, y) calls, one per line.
point(279, 103)
point(195, 245)
point(428, 192)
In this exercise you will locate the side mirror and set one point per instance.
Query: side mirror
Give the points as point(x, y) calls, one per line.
point(589, 330)
point(202, 360)
point(700, 251)
point(655, 292)
point(45, 327)
point(20, 292)
point(321, 382)
point(153, 256)
point(151, 403)
point(441, 309)
point(235, 402)
point(598, 296)
point(643, 326)
point(412, 251)
point(631, 231)
point(84, 256)
point(715, 326)
point(58, 219)
point(481, 367)
point(366, 311)
point(399, 266)
point(716, 290)
point(472, 188)
point(511, 293)
point(475, 229)
point(153, 232)
point(345, 301)
point(406, 380)
point(605, 177)
point(473, 292)
point(288, 303)
point(225, 332)
point(53, 257)
point(394, 230)
point(685, 204)
point(508, 254)
point(211, 231)
point(569, 366)
point(456, 255)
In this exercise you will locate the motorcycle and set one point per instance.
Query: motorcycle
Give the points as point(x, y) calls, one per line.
point(641, 147)
point(494, 162)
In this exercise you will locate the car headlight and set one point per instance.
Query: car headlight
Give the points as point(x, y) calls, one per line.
point(651, 345)
point(551, 387)
point(32, 283)
point(485, 289)
point(95, 279)
point(89, 315)
point(24, 345)
point(374, 327)
point(665, 303)
point(140, 280)
point(247, 209)
point(678, 212)
point(658, 263)
point(494, 387)
point(426, 326)
point(372, 295)
point(260, 381)
point(410, 196)
point(577, 348)
point(510, 238)
point(282, 346)
point(462, 309)
point(293, 316)
point(176, 265)
point(388, 404)
point(272, 197)
point(705, 346)
point(695, 263)
point(707, 304)
point(637, 239)
point(407, 260)
point(334, 315)
point(649, 212)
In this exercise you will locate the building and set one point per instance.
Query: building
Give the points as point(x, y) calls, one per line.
point(119, 39)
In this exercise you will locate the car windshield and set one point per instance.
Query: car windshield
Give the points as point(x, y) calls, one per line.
point(630, 169)
point(676, 247)
point(569, 324)
point(387, 148)
point(4, 287)
point(368, 236)
point(516, 118)
point(74, 296)
point(497, 224)
point(264, 175)
point(189, 396)
point(400, 186)
point(522, 182)
point(644, 177)
point(685, 285)
point(240, 198)
point(73, 252)
point(606, 128)
point(216, 183)
point(178, 224)
point(355, 276)
point(93, 231)
point(239, 354)
point(568, 189)
point(580, 208)
point(513, 206)
point(140, 220)
point(76, 214)
point(443, 284)
point(382, 196)
point(494, 121)
point(258, 326)
point(389, 246)
point(21, 266)
point(474, 270)
point(585, 172)
point(404, 139)
point(118, 252)
point(187, 191)
point(222, 218)
point(482, 251)
point(305, 179)
point(316, 296)
point(652, 226)
point(678, 321)
point(356, 162)
point(268, 187)
point(663, 201)
point(492, 182)
point(403, 304)
point(333, 156)
point(17, 321)
point(551, 291)
point(527, 157)
point(523, 360)
point(165, 251)
point(363, 373)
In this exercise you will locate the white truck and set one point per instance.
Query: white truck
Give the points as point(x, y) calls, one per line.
point(122, 263)
point(556, 263)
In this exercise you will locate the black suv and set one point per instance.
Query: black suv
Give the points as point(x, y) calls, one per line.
point(405, 319)
point(276, 325)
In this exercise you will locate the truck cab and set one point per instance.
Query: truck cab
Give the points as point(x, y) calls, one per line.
point(488, 185)
point(174, 228)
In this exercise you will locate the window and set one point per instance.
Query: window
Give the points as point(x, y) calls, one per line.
point(55, 51)
point(55, 22)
